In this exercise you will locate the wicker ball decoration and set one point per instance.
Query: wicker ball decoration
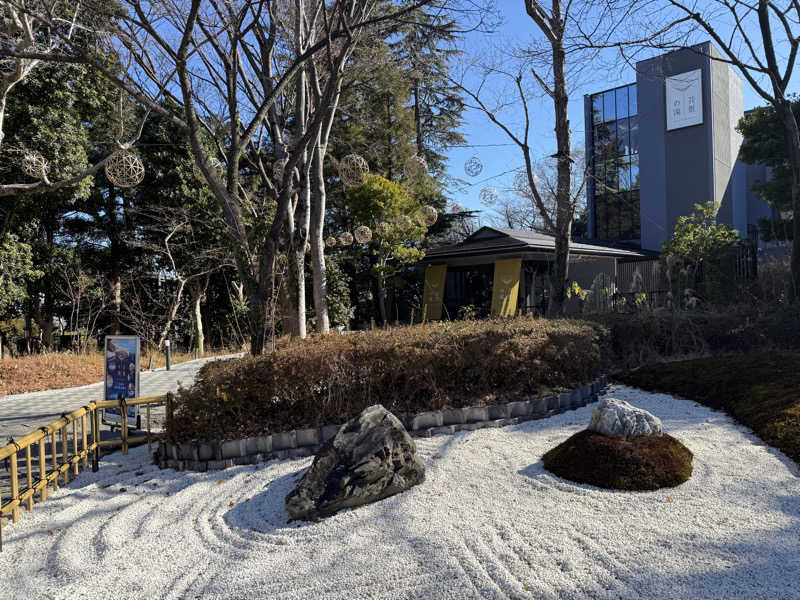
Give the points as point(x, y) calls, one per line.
point(213, 165)
point(415, 168)
point(363, 234)
point(429, 215)
point(330, 242)
point(124, 169)
point(489, 196)
point(346, 239)
point(35, 165)
point(352, 169)
point(456, 208)
point(521, 185)
point(473, 166)
point(404, 222)
point(383, 229)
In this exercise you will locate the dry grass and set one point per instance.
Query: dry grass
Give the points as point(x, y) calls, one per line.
point(330, 379)
point(55, 370)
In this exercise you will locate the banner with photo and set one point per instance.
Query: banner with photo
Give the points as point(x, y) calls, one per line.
point(122, 358)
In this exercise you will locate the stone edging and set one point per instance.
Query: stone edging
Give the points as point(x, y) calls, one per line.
point(209, 456)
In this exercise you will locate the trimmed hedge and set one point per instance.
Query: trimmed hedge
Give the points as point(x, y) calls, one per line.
point(653, 336)
point(330, 379)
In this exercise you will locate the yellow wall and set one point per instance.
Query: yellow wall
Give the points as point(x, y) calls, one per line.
point(433, 295)
point(505, 287)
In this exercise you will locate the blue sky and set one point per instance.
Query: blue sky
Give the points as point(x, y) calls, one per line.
point(494, 150)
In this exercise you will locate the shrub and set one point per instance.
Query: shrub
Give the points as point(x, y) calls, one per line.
point(330, 379)
point(652, 336)
point(638, 462)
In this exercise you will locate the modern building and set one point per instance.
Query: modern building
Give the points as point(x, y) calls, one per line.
point(655, 149)
point(661, 145)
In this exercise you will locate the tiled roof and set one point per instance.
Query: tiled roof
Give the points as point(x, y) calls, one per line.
point(491, 240)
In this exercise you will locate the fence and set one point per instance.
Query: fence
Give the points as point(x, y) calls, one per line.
point(68, 456)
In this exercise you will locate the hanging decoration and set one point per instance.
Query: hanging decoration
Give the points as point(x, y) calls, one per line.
point(35, 165)
point(521, 185)
point(429, 215)
point(346, 239)
point(363, 234)
point(456, 208)
point(352, 169)
point(473, 166)
point(213, 165)
point(489, 196)
point(415, 168)
point(404, 222)
point(124, 169)
point(383, 228)
point(330, 242)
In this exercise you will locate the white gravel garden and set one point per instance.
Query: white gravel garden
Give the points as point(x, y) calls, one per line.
point(488, 522)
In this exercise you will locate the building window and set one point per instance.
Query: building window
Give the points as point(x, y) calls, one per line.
point(615, 164)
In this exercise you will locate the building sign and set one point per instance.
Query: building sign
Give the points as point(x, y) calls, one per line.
point(684, 100)
point(121, 375)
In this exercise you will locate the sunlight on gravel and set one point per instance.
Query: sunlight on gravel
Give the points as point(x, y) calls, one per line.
point(488, 522)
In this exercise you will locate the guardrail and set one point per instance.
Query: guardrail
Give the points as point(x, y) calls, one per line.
point(62, 460)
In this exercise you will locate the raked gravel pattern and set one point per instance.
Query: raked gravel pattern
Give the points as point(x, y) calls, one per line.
point(488, 522)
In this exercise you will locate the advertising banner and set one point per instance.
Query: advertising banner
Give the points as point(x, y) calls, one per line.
point(122, 356)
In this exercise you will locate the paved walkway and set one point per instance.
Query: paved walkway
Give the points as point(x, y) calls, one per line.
point(23, 413)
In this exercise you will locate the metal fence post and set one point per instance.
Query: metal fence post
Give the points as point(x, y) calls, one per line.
point(96, 439)
point(169, 354)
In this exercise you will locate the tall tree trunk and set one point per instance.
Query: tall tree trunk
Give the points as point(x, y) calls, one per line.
point(418, 119)
point(198, 292)
point(558, 276)
point(382, 297)
point(792, 140)
point(319, 273)
point(116, 283)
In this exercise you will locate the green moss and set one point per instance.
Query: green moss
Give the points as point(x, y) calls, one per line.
point(760, 391)
point(640, 462)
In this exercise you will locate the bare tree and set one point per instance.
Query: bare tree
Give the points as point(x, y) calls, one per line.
point(547, 65)
point(517, 209)
point(176, 236)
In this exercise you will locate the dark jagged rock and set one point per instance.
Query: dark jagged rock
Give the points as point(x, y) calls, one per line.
point(371, 458)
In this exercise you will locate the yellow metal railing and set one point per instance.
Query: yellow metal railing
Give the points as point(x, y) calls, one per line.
point(60, 466)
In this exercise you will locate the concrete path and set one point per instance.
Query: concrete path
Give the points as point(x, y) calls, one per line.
point(23, 413)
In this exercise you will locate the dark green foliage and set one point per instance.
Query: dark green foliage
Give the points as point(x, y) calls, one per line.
point(779, 230)
point(638, 462)
point(701, 255)
point(761, 391)
point(765, 143)
point(330, 379)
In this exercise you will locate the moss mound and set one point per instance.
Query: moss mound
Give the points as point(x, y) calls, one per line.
point(640, 462)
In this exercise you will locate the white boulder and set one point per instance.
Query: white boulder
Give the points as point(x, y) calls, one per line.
point(618, 418)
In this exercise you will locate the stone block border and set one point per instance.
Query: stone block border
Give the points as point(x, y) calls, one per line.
point(209, 456)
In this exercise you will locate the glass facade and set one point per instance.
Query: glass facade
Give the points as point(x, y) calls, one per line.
point(615, 164)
